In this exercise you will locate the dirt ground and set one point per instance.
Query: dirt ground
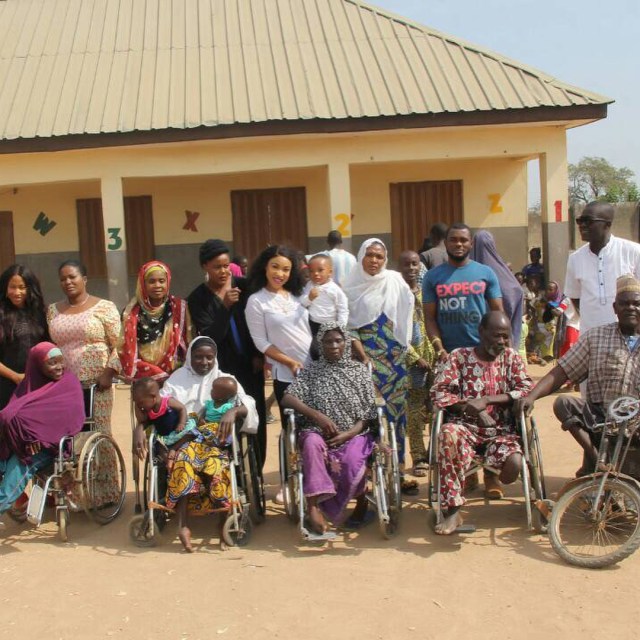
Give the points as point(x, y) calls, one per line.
point(501, 581)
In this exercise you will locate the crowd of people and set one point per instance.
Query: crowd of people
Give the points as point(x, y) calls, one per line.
point(452, 329)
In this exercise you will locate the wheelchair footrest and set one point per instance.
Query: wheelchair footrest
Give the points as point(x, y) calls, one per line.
point(466, 528)
point(319, 537)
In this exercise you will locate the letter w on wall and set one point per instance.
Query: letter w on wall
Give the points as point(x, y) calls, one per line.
point(43, 225)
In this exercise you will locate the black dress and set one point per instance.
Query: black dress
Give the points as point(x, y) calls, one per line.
point(236, 351)
point(15, 349)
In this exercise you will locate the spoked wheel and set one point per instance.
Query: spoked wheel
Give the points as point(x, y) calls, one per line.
point(62, 518)
point(594, 535)
point(240, 535)
point(140, 531)
point(102, 477)
point(287, 466)
point(255, 485)
point(539, 521)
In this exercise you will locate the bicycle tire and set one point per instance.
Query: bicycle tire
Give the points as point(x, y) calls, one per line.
point(575, 504)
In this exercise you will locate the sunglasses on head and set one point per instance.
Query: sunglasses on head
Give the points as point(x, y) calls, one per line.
point(589, 221)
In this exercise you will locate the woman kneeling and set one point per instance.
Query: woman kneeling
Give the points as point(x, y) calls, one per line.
point(335, 398)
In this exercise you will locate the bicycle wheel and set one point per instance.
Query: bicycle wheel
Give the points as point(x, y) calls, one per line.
point(592, 535)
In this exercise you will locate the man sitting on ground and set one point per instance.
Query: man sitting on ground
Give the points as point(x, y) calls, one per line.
point(608, 358)
point(476, 388)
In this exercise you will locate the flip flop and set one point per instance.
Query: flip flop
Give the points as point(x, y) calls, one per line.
point(350, 524)
point(409, 487)
point(421, 469)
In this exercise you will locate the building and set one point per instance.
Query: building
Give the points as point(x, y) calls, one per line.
point(137, 129)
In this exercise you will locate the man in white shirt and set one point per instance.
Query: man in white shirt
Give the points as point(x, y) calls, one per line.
point(593, 269)
point(342, 260)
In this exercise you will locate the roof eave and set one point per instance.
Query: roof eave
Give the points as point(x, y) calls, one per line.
point(584, 113)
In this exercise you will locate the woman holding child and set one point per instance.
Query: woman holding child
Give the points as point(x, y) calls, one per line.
point(199, 480)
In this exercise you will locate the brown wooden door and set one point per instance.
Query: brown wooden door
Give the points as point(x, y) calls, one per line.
point(416, 206)
point(91, 237)
point(138, 227)
point(7, 243)
point(269, 216)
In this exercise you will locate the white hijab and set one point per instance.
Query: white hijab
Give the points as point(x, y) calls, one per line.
point(192, 389)
point(386, 292)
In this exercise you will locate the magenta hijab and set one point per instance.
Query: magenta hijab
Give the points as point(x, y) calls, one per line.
point(41, 410)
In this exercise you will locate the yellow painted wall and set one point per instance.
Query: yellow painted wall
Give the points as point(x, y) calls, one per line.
point(481, 178)
point(211, 197)
point(199, 176)
point(58, 202)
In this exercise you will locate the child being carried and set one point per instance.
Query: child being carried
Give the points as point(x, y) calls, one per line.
point(224, 396)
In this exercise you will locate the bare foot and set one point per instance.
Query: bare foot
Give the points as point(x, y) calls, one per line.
point(449, 524)
point(185, 537)
point(318, 523)
point(222, 519)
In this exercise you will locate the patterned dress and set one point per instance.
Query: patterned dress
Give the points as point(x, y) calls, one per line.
point(389, 359)
point(461, 439)
point(88, 341)
point(420, 381)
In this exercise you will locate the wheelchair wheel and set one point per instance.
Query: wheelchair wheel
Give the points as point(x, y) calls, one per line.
point(255, 486)
point(537, 471)
point(62, 518)
point(101, 469)
point(237, 536)
point(140, 531)
point(592, 535)
point(287, 476)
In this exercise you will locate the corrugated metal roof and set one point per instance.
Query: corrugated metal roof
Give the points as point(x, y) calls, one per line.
point(98, 66)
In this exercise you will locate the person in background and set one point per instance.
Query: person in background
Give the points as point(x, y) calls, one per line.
point(156, 327)
point(593, 269)
point(420, 360)
point(243, 263)
point(437, 254)
point(535, 267)
point(560, 307)
point(381, 321)
point(87, 330)
point(217, 307)
point(343, 261)
point(277, 321)
point(23, 324)
point(485, 252)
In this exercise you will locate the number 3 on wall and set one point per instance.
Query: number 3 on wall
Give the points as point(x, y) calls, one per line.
point(343, 224)
point(115, 241)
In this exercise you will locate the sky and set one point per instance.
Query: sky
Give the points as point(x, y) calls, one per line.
point(590, 44)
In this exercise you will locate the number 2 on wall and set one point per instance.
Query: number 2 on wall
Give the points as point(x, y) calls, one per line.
point(115, 241)
point(343, 223)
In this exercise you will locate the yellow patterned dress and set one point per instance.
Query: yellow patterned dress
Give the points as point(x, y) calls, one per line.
point(88, 342)
point(201, 472)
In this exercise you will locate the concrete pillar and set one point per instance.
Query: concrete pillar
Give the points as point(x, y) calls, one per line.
point(555, 211)
point(339, 189)
point(115, 240)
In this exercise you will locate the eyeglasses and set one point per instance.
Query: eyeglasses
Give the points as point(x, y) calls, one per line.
point(588, 221)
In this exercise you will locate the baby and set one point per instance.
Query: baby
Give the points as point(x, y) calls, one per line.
point(224, 393)
point(165, 415)
point(324, 299)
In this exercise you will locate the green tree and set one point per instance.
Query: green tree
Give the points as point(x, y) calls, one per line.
point(596, 179)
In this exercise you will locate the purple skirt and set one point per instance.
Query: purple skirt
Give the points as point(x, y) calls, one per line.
point(334, 475)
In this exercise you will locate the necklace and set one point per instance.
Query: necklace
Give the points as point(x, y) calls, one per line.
point(79, 304)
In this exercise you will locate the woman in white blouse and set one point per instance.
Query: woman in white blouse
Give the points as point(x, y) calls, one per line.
point(277, 321)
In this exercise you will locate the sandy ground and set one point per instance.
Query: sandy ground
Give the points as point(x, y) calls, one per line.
point(501, 581)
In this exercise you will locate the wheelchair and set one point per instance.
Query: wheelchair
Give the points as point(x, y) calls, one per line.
point(531, 473)
point(248, 506)
point(83, 471)
point(595, 521)
point(384, 471)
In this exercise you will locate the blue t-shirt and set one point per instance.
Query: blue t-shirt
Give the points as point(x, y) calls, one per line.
point(461, 294)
